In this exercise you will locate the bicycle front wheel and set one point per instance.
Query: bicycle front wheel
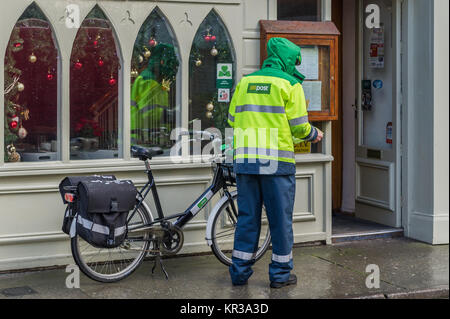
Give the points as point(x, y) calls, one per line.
point(224, 228)
point(113, 264)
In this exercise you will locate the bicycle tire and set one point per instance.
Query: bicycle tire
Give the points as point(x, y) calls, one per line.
point(223, 258)
point(146, 215)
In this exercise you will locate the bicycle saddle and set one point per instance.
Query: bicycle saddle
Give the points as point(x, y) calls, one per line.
point(144, 153)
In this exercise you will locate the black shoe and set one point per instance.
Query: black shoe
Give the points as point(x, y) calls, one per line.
point(291, 281)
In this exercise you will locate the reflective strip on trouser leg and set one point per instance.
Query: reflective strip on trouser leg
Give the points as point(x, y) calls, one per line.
point(243, 255)
point(282, 258)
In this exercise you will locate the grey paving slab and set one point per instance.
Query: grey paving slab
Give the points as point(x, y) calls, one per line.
point(336, 271)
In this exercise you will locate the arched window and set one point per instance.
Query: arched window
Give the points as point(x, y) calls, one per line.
point(94, 90)
point(155, 84)
point(212, 74)
point(31, 90)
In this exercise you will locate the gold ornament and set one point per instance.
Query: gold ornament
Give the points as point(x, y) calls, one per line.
point(13, 156)
point(147, 53)
point(32, 58)
point(134, 73)
point(214, 51)
point(209, 115)
point(141, 59)
point(26, 114)
point(198, 62)
point(166, 85)
point(20, 86)
point(210, 106)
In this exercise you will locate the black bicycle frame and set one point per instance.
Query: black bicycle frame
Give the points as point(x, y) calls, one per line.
point(218, 183)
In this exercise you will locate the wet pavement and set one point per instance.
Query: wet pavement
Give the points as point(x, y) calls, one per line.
point(408, 269)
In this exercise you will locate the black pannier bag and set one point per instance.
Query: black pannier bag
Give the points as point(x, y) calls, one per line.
point(103, 208)
point(72, 207)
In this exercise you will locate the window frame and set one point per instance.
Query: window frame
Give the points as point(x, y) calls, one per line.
point(64, 39)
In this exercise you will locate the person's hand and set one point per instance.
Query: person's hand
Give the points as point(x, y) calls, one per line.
point(319, 136)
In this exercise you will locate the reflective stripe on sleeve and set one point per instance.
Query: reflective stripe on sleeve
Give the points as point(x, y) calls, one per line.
point(151, 107)
point(260, 108)
point(243, 255)
point(282, 258)
point(230, 117)
point(299, 120)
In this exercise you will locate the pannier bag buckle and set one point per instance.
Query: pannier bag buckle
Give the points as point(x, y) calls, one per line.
point(114, 206)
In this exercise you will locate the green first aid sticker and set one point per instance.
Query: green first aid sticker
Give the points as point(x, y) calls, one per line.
point(259, 88)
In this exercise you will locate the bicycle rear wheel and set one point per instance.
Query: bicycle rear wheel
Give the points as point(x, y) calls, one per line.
point(224, 227)
point(113, 264)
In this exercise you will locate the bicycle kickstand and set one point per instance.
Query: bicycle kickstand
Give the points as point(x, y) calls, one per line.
point(158, 259)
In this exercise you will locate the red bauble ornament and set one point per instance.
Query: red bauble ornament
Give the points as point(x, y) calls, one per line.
point(207, 38)
point(17, 45)
point(13, 124)
point(95, 43)
point(49, 76)
point(78, 65)
point(213, 38)
point(112, 81)
point(100, 62)
point(152, 42)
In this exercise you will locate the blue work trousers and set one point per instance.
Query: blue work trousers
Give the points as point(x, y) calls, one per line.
point(277, 193)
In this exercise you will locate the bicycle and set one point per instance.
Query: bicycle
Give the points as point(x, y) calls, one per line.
point(160, 236)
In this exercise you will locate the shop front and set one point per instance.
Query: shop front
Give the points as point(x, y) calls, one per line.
point(81, 81)
point(84, 81)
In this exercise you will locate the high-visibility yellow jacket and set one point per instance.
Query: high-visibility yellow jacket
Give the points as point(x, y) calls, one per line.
point(268, 108)
point(148, 101)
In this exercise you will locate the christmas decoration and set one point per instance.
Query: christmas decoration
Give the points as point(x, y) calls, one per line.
point(14, 123)
point(96, 41)
point(152, 42)
point(112, 81)
point(134, 73)
point(31, 37)
point(147, 53)
point(198, 62)
point(212, 44)
point(78, 65)
point(49, 76)
point(22, 133)
point(141, 59)
point(13, 156)
point(214, 51)
point(100, 62)
point(165, 84)
point(32, 58)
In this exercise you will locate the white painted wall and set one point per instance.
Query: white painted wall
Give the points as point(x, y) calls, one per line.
point(441, 124)
point(425, 122)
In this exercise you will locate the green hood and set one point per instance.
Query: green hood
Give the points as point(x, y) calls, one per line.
point(282, 54)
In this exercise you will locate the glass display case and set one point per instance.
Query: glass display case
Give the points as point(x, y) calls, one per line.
point(319, 45)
